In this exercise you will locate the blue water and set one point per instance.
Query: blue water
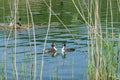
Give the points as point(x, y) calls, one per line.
point(73, 66)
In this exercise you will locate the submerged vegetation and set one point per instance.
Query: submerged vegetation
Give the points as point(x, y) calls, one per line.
point(100, 17)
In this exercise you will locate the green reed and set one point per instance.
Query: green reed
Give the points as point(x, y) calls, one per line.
point(73, 69)
point(56, 73)
point(1, 78)
point(13, 70)
point(2, 71)
point(23, 68)
point(103, 51)
point(103, 66)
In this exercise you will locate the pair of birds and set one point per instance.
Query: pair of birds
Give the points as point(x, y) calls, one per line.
point(54, 49)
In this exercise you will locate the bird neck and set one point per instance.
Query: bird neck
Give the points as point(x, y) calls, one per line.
point(54, 48)
point(63, 50)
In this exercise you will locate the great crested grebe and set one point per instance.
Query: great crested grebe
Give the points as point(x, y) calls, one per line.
point(66, 50)
point(51, 50)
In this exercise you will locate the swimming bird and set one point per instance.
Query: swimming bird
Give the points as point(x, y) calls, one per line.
point(18, 24)
point(66, 50)
point(51, 50)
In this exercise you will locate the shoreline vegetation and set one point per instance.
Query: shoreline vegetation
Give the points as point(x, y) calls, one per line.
point(8, 27)
point(26, 26)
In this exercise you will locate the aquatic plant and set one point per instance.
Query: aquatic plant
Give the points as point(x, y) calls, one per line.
point(102, 53)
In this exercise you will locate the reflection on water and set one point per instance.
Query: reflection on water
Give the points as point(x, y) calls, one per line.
point(73, 65)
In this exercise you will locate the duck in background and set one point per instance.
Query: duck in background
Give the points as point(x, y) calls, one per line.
point(66, 50)
point(52, 50)
point(18, 24)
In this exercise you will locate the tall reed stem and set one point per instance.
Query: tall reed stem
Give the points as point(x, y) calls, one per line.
point(15, 26)
point(42, 63)
point(33, 29)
